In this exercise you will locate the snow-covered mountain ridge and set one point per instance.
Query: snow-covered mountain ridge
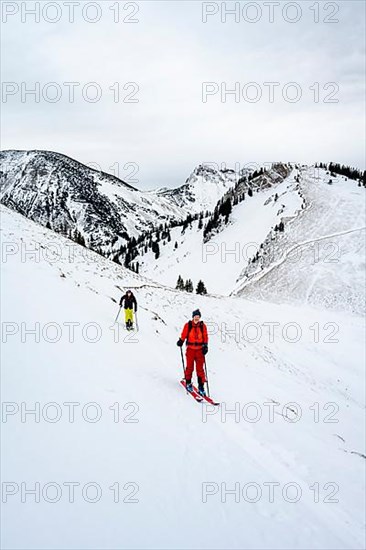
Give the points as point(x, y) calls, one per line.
point(67, 196)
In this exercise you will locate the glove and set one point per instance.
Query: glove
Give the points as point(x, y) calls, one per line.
point(180, 342)
point(204, 349)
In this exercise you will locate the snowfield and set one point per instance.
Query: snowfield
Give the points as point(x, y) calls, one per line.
point(280, 464)
point(320, 257)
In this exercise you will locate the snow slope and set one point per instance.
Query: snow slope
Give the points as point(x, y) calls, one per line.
point(220, 261)
point(163, 460)
point(320, 257)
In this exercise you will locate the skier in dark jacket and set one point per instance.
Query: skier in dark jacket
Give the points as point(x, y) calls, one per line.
point(195, 332)
point(130, 305)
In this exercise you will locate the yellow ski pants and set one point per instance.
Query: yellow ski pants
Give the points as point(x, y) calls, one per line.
point(129, 315)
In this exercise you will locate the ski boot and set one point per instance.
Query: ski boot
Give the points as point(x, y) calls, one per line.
point(201, 389)
point(189, 386)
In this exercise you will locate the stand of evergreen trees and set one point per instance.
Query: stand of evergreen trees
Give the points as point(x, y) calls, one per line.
point(188, 286)
point(280, 227)
point(343, 170)
point(221, 214)
point(154, 239)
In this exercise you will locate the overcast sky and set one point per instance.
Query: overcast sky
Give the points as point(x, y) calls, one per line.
point(169, 52)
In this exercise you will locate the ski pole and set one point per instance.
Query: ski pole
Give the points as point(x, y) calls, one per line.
point(184, 370)
point(136, 322)
point(120, 307)
point(208, 389)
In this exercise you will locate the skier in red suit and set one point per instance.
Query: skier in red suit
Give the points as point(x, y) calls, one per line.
point(195, 332)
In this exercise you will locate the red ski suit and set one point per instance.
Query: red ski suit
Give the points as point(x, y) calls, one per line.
point(196, 336)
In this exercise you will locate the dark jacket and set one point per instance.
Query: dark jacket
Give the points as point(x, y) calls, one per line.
point(130, 301)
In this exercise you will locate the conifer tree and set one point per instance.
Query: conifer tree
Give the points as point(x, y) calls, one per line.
point(201, 289)
point(180, 283)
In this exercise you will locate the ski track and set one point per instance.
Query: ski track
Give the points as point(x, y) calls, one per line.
point(290, 250)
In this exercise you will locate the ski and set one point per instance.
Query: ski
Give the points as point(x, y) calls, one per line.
point(199, 397)
point(193, 393)
point(206, 398)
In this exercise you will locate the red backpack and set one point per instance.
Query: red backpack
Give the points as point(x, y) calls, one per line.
point(190, 326)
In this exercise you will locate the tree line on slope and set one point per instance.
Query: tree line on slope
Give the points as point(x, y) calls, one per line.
point(234, 196)
point(153, 239)
point(342, 170)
